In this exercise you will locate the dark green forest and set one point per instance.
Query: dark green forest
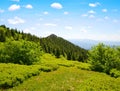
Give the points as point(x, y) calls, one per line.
point(59, 46)
point(51, 44)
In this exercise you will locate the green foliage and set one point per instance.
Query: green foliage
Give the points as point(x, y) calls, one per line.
point(69, 76)
point(14, 34)
point(104, 58)
point(99, 82)
point(59, 46)
point(2, 35)
point(20, 52)
point(51, 44)
point(84, 66)
point(96, 57)
point(115, 73)
point(52, 61)
point(13, 74)
point(70, 79)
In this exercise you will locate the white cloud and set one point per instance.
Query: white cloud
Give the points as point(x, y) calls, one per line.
point(115, 21)
point(16, 20)
point(68, 27)
point(56, 5)
point(89, 27)
point(27, 30)
point(84, 30)
point(14, 7)
point(2, 20)
point(104, 10)
point(94, 4)
point(91, 16)
point(91, 12)
point(29, 6)
point(100, 19)
point(15, 0)
point(41, 19)
point(57, 19)
point(1, 10)
point(30, 30)
point(106, 17)
point(84, 15)
point(50, 24)
point(66, 13)
point(38, 24)
point(45, 13)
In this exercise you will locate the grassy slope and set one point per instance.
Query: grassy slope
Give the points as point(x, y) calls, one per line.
point(68, 77)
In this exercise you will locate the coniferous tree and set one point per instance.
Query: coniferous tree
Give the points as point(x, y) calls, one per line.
point(2, 34)
point(65, 48)
point(57, 54)
point(51, 44)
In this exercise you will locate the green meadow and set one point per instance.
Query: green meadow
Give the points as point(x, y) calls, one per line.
point(53, 74)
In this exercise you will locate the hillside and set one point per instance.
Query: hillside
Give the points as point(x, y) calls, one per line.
point(54, 74)
point(51, 44)
point(59, 46)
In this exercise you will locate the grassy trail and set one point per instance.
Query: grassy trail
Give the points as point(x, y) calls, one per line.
point(69, 79)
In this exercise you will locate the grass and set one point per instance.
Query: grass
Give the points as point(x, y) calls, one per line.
point(70, 79)
point(50, 60)
point(61, 75)
point(14, 74)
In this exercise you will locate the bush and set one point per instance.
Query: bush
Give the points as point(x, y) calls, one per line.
point(115, 73)
point(20, 52)
point(13, 74)
point(84, 66)
point(104, 58)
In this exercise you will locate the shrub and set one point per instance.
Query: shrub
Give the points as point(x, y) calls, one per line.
point(115, 73)
point(13, 74)
point(84, 66)
point(20, 52)
point(104, 58)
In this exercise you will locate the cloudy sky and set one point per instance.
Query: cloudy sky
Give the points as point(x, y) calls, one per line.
point(70, 19)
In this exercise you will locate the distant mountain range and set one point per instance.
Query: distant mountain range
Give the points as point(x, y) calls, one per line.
point(87, 44)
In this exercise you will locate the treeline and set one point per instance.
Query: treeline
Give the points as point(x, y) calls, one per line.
point(18, 47)
point(51, 44)
point(59, 46)
point(14, 34)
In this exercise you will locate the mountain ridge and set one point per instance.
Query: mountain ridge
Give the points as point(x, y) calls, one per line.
point(60, 46)
point(88, 43)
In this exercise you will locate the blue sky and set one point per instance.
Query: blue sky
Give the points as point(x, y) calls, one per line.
point(70, 19)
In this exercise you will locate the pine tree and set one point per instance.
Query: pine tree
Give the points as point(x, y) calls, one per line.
point(2, 35)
